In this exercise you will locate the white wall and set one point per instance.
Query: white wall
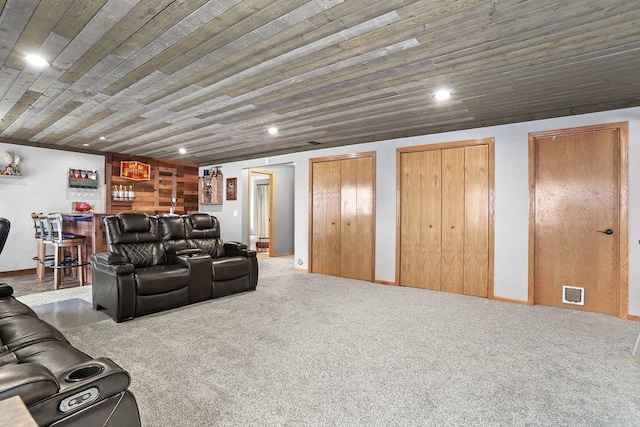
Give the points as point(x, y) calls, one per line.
point(511, 197)
point(43, 188)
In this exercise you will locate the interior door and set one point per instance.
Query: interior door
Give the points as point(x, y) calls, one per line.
point(453, 219)
point(476, 217)
point(166, 188)
point(576, 202)
point(326, 217)
point(421, 219)
point(356, 218)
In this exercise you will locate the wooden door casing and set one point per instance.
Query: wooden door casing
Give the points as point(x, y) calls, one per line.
point(576, 195)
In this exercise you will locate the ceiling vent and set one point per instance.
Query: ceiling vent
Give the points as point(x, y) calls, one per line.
point(313, 142)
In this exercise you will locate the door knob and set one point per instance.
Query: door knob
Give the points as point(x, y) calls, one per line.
point(608, 231)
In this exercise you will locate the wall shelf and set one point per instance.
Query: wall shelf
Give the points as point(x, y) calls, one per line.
point(80, 178)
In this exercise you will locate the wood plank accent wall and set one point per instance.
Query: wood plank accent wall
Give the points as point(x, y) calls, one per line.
point(155, 194)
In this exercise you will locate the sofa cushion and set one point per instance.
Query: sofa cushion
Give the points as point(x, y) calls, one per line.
point(230, 268)
point(9, 306)
point(19, 331)
point(56, 356)
point(160, 279)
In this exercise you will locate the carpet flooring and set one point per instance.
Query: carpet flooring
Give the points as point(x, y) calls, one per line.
point(307, 349)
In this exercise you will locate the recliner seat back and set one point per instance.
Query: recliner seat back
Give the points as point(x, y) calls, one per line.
point(203, 232)
point(172, 231)
point(137, 237)
point(5, 225)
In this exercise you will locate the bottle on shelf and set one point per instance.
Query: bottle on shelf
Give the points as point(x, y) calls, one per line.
point(121, 192)
point(130, 193)
point(114, 194)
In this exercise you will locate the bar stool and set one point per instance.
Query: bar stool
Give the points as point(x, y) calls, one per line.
point(41, 250)
point(60, 242)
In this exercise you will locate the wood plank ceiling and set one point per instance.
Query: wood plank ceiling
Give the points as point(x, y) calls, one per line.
point(211, 76)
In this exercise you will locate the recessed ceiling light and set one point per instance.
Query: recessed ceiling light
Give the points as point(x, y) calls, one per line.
point(36, 60)
point(102, 138)
point(442, 95)
point(273, 130)
point(182, 151)
point(85, 144)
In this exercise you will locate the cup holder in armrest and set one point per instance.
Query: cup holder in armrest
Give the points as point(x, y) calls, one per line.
point(84, 373)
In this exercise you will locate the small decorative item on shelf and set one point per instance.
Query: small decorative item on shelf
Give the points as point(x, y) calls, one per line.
point(82, 178)
point(121, 193)
point(13, 164)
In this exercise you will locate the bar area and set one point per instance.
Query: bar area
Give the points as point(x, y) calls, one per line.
point(125, 184)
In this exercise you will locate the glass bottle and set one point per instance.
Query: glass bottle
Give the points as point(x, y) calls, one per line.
point(114, 194)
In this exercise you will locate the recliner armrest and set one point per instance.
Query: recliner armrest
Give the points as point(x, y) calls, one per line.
point(112, 263)
point(30, 381)
point(238, 249)
point(108, 380)
point(5, 290)
point(110, 258)
point(186, 251)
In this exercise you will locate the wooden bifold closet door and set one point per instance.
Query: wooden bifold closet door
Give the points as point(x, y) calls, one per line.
point(342, 216)
point(444, 217)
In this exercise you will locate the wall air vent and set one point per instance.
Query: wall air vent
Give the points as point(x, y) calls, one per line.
point(572, 295)
point(313, 142)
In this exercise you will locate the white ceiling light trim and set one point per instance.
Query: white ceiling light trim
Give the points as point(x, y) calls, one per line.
point(442, 94)
point(36, 60)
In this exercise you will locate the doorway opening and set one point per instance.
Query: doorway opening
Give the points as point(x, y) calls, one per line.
point(261, 230)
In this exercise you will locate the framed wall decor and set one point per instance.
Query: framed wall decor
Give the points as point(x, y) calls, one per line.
point(232, 188)
point(210, 190)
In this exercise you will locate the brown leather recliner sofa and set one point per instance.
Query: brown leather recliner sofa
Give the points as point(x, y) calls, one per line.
point(156, 263)
point(59, 384)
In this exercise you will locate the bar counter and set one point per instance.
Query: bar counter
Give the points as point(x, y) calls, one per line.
point(89, 225)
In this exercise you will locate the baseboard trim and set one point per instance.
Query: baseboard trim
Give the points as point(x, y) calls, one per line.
point(514, 301)
point(282, 254)
point(384, 282)
point(634, 317)
point(25, 272)
point(300, 270)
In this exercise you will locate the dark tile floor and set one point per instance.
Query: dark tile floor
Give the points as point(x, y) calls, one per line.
point(29, 284)
point(69, 313)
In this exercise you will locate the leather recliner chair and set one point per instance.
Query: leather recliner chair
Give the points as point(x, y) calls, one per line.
point(59, 384)
point(235, 269)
